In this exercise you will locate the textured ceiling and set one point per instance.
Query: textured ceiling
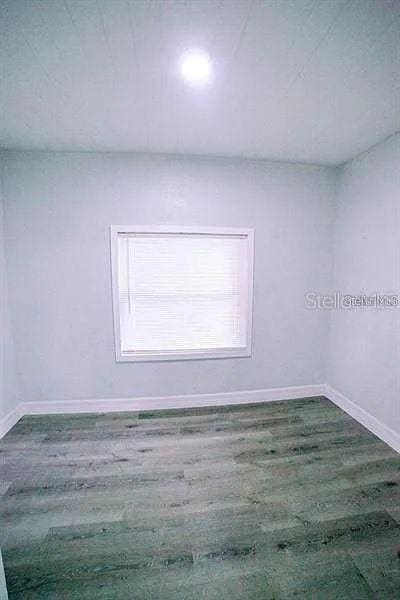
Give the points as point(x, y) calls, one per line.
point(295, 80)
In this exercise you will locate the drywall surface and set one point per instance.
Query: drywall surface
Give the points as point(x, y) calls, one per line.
point(58, 211)
point(8, 379)
point(364, 358)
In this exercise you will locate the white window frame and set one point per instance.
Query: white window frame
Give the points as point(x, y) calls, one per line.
point(238, 352)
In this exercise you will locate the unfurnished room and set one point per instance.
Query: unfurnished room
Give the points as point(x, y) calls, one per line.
point(200, 300)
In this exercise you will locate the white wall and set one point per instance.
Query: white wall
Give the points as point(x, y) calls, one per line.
point(8, 380)
point(364, 361)
point(58, 209)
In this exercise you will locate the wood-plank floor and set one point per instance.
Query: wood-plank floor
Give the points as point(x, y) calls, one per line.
point(273, 501)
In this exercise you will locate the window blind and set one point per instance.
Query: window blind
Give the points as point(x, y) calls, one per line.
point(182, 292)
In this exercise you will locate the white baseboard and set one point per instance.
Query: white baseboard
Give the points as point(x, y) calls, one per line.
point(385, 433)
point(382, 431)
point(183, 401)
point(3, 586)
point(9, 420)
point(158, 402)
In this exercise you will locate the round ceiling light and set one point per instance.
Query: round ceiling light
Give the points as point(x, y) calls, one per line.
point(196, 67)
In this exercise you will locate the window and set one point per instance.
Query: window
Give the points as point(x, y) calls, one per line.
point(181, 293)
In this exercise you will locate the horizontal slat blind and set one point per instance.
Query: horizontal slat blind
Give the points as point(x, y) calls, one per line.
point(182, 292)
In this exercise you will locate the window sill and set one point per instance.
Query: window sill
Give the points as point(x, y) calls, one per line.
point(177, 356)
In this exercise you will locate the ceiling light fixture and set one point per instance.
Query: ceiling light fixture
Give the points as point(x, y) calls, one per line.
point(196, 67)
